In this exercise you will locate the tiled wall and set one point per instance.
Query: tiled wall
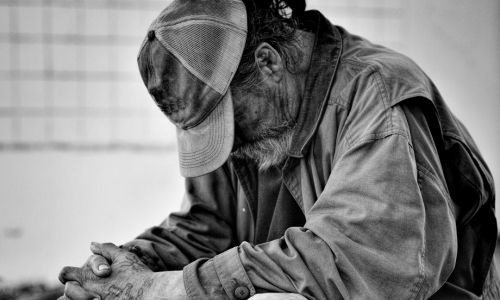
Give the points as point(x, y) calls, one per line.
point(68, 74)
point(382, 21)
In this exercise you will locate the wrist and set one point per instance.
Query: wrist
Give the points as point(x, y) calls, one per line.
point(168, 285)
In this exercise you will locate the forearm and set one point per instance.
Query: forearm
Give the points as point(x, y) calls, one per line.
point(203, 229)
point(165, 248)
point(167, 285)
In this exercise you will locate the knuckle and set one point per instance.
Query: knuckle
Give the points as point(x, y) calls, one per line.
point(89, 261)
point(65, 270)
point(94, 260)
point(108, 245)
point(63, 274)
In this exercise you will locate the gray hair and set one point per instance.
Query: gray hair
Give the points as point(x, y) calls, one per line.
point(268, 22)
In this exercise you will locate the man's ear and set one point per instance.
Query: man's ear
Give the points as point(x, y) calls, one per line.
point(269, 62)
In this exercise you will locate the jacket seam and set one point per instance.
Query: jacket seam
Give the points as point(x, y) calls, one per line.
point(373, 137)
point(385, 96)
point(245, 275)
point(430, 175)
point(357, 69)
point(347, 142)
point(419, 285)
point(356, 62)
point(220, 279)
point(420, 280)
point(418, 288)
point(337, 100)
point(376, 78)
point(370, 137)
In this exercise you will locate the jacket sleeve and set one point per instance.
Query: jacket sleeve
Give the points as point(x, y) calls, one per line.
point(202, 229)
point(370, 235)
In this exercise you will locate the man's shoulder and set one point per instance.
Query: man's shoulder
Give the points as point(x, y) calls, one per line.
point(370, 81)
point(395, 74)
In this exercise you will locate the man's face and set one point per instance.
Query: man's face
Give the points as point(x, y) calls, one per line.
point(163, 76)
point(263, 126)
point(260, 112)
point(266, 99)
point(265, 114)
point(175, 90)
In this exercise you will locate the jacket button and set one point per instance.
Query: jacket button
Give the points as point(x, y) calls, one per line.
point(241, 292)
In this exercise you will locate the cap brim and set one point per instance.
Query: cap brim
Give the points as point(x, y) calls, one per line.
point(207, 146)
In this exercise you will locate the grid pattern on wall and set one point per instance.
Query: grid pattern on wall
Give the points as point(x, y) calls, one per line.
point(69, 79)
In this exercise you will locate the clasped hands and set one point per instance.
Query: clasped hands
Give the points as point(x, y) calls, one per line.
point(114, 273)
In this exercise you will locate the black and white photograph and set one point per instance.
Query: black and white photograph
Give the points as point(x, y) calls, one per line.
point(249, 149)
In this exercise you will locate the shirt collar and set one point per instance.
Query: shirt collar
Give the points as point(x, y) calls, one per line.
point(324, 60)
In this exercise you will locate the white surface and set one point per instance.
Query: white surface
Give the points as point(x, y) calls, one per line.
point(62, 201)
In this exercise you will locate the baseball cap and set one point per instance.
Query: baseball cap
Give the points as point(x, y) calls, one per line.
point(207, 38)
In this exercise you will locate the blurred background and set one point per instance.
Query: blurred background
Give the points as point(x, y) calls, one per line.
point(86, 156)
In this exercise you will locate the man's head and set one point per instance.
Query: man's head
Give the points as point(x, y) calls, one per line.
point(268, 83)
point(187, 68)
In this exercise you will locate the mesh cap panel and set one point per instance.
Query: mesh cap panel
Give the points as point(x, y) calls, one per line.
point(232, 11)
point(208, 49)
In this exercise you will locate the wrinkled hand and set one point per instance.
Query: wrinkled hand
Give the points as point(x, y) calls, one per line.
point(73, 290)
point(127, 278)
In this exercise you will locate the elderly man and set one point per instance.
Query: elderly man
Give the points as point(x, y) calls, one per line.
point(317, 163)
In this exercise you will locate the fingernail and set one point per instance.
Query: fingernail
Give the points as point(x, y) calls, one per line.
point(103, 267)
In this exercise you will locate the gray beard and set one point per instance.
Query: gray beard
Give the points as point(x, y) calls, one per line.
point(267, 152)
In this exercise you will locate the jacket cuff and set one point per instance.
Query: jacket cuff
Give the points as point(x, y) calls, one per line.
point(222, 277)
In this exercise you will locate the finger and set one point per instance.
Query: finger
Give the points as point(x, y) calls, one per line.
point(99, 265)
point(74, 291)
point(63, 298)
point(109, 250)
point(70, 274)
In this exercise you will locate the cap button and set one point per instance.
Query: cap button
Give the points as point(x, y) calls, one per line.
point(241, 292)
point(151, 35)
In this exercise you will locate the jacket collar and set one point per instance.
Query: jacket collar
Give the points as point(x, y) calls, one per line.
point(324, 60)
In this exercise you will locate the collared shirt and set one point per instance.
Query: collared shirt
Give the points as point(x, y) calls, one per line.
point(384, 195)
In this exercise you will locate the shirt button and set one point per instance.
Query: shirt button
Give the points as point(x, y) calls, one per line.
point(241, 292)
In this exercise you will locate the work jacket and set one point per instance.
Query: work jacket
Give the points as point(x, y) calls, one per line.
point(384, 195)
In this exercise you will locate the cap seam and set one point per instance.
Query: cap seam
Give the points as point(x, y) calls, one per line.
point(218, 123)
point(197, 20)
point(209, 149)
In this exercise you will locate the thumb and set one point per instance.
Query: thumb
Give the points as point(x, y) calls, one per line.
point(99, 265)
point(108, 250)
